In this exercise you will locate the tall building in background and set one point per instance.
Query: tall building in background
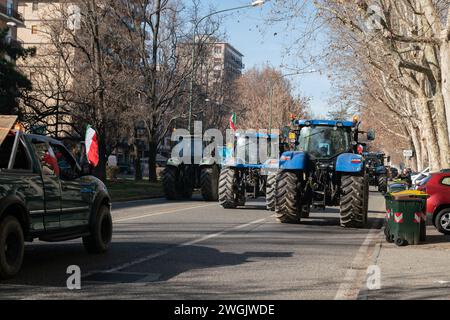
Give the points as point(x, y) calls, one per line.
point(47, 72)
point(9, 14)
point(227, 62)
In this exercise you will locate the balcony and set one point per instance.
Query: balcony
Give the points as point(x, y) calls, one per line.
point(11, 13)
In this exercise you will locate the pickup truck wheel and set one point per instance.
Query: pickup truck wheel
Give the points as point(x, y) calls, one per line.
point(100, 238)
point(12, 247)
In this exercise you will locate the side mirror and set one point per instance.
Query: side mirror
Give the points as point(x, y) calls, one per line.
point(371, 135)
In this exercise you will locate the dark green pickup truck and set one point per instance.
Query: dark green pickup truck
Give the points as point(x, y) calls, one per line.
point(45, 195)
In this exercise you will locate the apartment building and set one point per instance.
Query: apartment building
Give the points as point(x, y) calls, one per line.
point(227, 62)
point(9, 14)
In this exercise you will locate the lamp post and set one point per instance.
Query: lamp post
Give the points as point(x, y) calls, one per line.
point(256, 3)
point(272, 84)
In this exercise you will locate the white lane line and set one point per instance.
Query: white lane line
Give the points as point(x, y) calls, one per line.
point(184, 244)
point(351, 285)
point(161, 213)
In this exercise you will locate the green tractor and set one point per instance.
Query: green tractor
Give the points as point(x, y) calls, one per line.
point(180, 177)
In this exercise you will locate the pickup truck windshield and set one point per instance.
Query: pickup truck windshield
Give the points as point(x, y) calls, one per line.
point(323, 142)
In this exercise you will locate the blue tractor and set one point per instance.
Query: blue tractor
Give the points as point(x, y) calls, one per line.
point(326, 168)
point(377, 170)
point(243, 175)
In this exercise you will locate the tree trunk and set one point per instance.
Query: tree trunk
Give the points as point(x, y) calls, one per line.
point(441, 128)
point(445, 66)
point(429, 134)
point(137, 164)
point(153, 150)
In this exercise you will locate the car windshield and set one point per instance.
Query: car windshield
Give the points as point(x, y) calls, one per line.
point(323, 142)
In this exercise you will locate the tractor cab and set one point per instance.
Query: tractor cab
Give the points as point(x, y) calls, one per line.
point(250, 149)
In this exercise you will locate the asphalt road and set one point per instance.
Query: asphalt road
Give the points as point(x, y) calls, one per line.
point(197, 250)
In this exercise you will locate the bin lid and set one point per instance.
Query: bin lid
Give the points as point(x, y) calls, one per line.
point(409, 195)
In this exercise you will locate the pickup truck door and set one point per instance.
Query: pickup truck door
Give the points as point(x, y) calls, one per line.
point(75, 195)
point(52, 188)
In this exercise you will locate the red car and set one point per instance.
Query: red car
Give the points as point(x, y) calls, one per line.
point(437, 185)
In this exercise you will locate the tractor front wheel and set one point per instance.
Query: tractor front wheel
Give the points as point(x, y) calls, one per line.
point(287, 198)
point(354, 201)
point(270, 191)
point(227, 193)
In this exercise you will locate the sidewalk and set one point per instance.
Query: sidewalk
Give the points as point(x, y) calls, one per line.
point(413, 272)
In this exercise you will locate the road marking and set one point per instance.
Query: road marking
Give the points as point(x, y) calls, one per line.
point(184, 244)
point(161, 213)
point(351, 285)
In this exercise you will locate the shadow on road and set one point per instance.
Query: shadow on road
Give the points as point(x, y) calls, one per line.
point(46, 265)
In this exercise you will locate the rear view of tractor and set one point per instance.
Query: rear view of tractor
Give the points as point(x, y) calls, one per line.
point(377, 171)
point(325, 169)
point(242, 176)
point(181, 177)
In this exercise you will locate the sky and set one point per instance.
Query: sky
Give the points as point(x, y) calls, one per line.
point(268, 47)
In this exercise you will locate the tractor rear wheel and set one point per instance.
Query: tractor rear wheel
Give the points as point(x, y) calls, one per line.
point(227, 194)
point(270, 191)
point(287, 198)
point(187, 179)
point(177, 182)
point(354, 201)
point(209, 183)
point(382, 184)
point(169, 180)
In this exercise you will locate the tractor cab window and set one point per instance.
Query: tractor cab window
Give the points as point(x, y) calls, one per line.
point(323, 142)
point(247, 149)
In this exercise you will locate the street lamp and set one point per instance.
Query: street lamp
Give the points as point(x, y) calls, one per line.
point(256, 3)
point(272, 84)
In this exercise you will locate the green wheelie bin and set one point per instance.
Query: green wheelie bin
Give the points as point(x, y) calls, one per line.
point(406, 217)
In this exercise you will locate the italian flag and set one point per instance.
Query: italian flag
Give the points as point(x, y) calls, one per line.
point(92, 146)
point(233, 121)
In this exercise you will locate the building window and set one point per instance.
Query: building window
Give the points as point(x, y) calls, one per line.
point(35, 6)
point(34, 29)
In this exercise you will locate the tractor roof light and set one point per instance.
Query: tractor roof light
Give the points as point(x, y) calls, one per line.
point(355, 118)
point(19, 127)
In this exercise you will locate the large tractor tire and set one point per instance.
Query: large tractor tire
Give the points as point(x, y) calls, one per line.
point(177, 183)
point(227, 189)
point(209, 183)
point(354, 201)
point(382, 184)
point(287, 198)
point(270, 191)
point(187, 179)
point(169, 180)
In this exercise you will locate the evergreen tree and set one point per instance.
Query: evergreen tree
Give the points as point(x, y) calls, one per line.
point(12, 81)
